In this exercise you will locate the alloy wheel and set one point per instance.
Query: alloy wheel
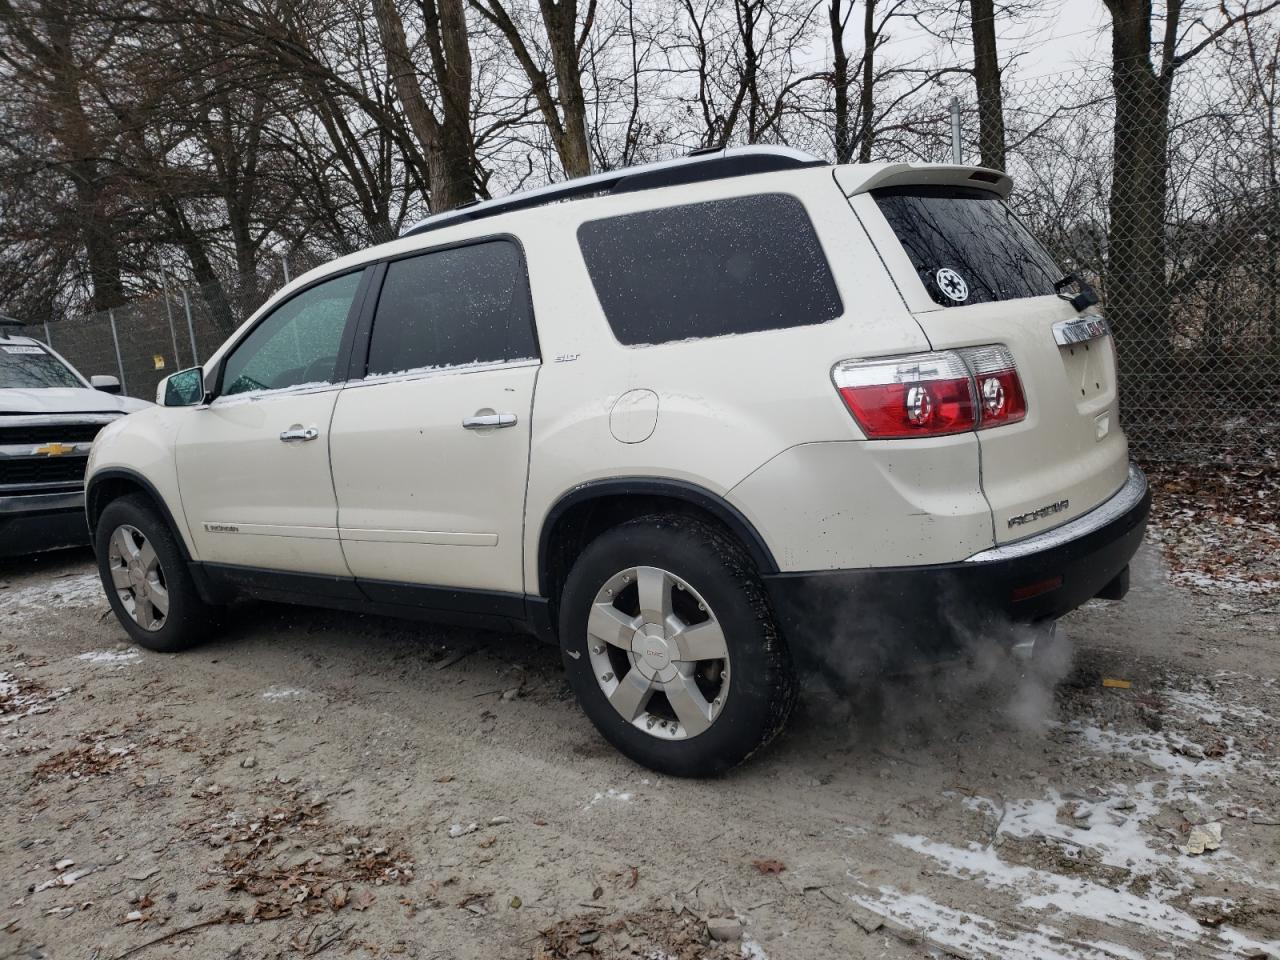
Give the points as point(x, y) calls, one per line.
point(138, 578)
point(659, 653)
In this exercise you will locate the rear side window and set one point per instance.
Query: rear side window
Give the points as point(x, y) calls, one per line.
point(451, 308)
point(708, 269)
point(967, 245)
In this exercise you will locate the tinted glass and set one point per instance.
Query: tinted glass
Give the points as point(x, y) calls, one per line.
point(453, 307)
point(967, 246)
point(709, 269)
point(25, 366)
point(297, 344)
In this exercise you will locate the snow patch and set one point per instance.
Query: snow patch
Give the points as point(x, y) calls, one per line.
point(1073, 896)
point(117, 657)
point(277, 694)
point(616, 796)
point(25, 602)
point(973, 934)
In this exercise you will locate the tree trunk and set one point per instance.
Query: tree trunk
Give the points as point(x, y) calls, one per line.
point(840, 83)
point(449, 162)
point(986, 75)
point(1136, 290)
point(215, 295)
point(565, 112)
point(866, 97)
point(73, 131)
point(561, 20)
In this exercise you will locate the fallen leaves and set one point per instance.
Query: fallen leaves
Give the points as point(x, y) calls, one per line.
point(768, 866)
point(647, 933)
point(1217, 528)
point(95, 758)
point(263, 860)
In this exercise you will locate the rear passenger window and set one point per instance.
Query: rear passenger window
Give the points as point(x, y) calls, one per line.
point(708, 269)
point(451, 308)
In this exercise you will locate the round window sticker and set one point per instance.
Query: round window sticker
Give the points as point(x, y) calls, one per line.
point(952, 284)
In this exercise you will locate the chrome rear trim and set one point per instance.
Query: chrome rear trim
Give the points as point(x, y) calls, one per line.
point(1124, 500)
point(1080, 330)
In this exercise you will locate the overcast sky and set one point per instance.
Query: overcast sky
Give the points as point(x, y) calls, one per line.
point(1061, 36)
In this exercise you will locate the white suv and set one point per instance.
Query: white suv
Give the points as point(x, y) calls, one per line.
point(699, 422)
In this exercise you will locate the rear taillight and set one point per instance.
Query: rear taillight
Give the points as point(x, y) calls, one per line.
point(932, 394)
point(921, 395)
point(996, 381)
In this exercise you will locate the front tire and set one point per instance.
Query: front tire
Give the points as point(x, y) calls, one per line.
point(146, 578)
point(671, 648)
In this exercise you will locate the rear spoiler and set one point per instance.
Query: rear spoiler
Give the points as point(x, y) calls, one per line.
point(860, 178)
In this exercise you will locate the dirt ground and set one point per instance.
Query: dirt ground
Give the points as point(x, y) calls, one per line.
point(321, 784)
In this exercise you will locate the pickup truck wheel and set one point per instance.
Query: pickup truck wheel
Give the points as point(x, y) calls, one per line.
point(671, 647)
point(146, 579)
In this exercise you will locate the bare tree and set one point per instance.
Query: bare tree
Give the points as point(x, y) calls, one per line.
point(1144, 65)
point(57, 54)
point(563, 109)
point(446, 139)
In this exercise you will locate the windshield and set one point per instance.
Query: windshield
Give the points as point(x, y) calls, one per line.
point(25, 366)
point(967, 245)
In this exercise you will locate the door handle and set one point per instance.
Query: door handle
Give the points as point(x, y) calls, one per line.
point(298, 433)
point(485, 421)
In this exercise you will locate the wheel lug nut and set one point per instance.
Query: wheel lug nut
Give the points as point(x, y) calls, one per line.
point(702, 607)
point(597, 649)
point(607, 677)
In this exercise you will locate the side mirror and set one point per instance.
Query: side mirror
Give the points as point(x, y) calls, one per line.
point(182, 389)
point(104, 383)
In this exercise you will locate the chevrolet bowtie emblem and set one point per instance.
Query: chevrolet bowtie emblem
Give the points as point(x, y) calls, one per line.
point(55, 449)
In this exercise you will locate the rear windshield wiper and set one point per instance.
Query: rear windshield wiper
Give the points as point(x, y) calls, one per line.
point(1086, 298)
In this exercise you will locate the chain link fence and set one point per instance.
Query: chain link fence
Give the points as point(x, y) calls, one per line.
point(1188, 271)
point(145, 341)
point(1189, 279)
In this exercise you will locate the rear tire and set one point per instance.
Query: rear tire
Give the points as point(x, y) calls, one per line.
point(671, 648)
point(146, 578)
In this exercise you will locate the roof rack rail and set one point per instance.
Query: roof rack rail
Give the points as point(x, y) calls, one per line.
point(704, 164)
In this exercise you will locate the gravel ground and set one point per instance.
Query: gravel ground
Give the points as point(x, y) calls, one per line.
point(318, 784)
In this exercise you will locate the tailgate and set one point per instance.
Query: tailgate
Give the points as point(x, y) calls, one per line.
point(972, 274)
point(1069, 454)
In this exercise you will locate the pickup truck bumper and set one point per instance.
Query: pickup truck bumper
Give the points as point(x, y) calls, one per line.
point(889, 617)
point(32, 522)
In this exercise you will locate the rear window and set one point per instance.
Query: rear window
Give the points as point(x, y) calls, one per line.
point(28, 367)
point(967, 245)
point(740, 265)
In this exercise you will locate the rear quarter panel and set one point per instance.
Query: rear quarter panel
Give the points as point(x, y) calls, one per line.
point(726, 405)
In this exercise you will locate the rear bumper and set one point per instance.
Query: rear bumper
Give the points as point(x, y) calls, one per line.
point(885, 614)
point(42, 521)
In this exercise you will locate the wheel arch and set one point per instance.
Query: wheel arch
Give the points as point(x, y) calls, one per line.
point(113, 483)
point(591, 508)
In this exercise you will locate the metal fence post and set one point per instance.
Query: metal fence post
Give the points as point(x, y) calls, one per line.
point(284, 262)
point(955, 131)
point(47, 339)
point(115, 338)
point(168, 308)
point(191, 328)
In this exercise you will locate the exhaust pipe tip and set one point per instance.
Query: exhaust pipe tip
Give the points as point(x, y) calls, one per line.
point(1037, 641)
